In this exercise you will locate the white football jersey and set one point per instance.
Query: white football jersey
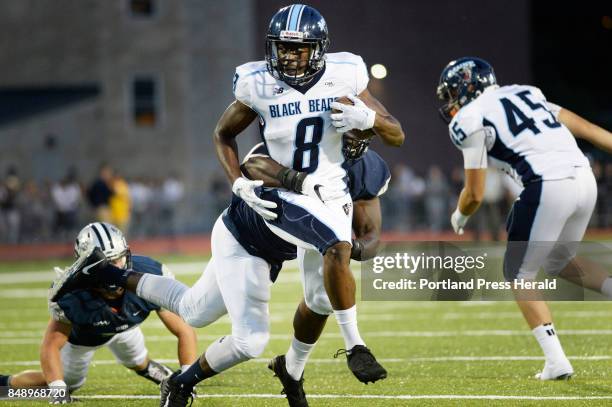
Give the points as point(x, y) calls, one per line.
point(523, 136)
point(295, 123)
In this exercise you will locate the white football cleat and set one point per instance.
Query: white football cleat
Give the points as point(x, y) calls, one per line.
point(556, 371)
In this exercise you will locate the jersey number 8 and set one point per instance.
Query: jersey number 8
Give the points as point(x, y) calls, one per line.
point(306, 153)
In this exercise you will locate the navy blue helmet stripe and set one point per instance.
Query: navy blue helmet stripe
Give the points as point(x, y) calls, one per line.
point(108, 235)
point(99, 236)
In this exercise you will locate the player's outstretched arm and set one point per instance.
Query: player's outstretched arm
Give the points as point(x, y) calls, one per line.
point(187, 340)
point(385, 125)
point(233, 121)
point(584, 129)
point(367, 223)
point(56, 336)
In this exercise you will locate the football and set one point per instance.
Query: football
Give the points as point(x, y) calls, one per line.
point(360, 134)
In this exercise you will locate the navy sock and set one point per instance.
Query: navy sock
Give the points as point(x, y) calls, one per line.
point(193, 375)
point(4, 380)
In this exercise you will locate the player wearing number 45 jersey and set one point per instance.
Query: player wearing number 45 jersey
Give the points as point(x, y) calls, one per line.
point(517, 130)
point(292, 94)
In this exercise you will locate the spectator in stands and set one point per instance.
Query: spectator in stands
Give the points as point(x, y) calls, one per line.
point(489, 216)
point(141, 196)
point(36, 213)
point(437, 193)
point(10, 218)
point(172, 193)
point(402, 202)
point(67, 197)
point(120, 203)
point(100, 192)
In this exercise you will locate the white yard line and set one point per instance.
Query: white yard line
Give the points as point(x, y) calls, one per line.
point(383, 360)
point(362, 396)
point(27, 337)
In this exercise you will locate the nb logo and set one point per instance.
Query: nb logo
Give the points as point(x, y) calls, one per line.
point(278, 90)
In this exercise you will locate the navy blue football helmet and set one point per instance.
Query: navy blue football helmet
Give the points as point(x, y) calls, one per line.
point(296, 25)
point(462, 81)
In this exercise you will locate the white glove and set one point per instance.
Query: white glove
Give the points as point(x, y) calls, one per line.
point(458, 220)
point(59, 393)
point(357, 116)
point(321, 189)
point(245, 189)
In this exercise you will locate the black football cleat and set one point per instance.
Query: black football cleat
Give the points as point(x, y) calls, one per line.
point(293, 389)
point(79, 275)
point(363, 364)
point(174, 394)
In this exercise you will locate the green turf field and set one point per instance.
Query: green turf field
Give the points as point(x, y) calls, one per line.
point(451, 353)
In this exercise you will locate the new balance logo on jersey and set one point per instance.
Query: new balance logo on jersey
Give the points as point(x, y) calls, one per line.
point(278, 90)
point(286, 109)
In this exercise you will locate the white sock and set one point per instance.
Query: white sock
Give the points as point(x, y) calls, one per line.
point(347, 321)
point(549, 342)
point(163, 291)
point(606, 287)
point(296, 358)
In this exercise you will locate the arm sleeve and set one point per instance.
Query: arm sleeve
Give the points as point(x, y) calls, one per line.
point(241, 89)
point(474, 150)
point(361, 76)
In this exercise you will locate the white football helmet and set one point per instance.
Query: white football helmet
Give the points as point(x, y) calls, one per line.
point(105, 236)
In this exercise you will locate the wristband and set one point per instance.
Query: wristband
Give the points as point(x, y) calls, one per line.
point(356, 250)
point(291, 179)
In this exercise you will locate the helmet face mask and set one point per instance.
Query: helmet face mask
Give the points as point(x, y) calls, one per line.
point(462, 81)
point(109, 239)
point(354, 148)
point(296, 43)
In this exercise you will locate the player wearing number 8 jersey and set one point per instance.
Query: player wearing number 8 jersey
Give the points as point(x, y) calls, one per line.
point(292, 94)
point(517, 130)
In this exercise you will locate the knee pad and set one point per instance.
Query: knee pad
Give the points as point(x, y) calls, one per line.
point(253, 345)
point(319, 303)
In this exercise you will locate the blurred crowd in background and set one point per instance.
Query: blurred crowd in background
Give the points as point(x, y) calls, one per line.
point(145, 207)
point(55, 211)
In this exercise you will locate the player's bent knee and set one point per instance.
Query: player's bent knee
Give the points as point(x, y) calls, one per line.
point(319, 304)
point(252, 346)
point(338, 253)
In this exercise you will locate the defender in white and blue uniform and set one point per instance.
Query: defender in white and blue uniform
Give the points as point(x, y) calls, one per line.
point(517, 130)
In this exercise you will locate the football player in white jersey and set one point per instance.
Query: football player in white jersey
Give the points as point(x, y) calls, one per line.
point(517, 130)
point(292, 94)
